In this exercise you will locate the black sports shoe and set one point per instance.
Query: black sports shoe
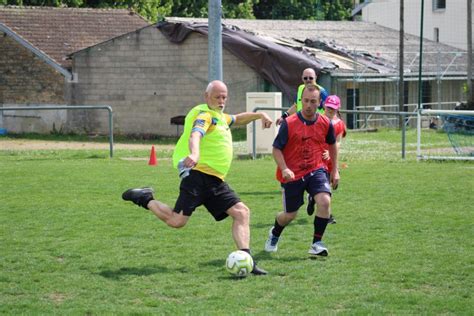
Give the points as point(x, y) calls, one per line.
point(258, 271)
point(331, 220)
point(140, 196)
point(310, 206)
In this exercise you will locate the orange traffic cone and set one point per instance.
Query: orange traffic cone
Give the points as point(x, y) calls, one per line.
point(152, 161)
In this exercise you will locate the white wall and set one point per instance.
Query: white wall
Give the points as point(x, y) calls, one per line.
point(452, 22)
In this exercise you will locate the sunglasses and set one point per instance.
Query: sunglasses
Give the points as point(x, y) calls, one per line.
point(308, 78)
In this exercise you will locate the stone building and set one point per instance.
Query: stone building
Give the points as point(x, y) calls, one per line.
point(148, 77)
point(34, 68)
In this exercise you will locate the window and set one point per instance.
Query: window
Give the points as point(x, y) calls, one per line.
point(439, 5)
point(436, 34)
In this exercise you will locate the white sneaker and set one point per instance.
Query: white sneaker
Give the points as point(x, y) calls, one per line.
point(271, 245)
point(318, 249)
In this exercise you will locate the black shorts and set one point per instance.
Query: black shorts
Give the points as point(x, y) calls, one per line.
point(313, 183)
point(202, 189)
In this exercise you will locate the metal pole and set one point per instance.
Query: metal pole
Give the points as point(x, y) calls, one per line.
point(111, 132)
point(421, 55)
point(214, 62)
point(401, 66)
point(254, 139)
point(470, 84)
point(418, 122)
point(402, 117)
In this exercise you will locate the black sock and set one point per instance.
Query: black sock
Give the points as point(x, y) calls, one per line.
point(250, 253)
point(247, 251)
point(319, 228)
point(145, 199)
point(277, 229)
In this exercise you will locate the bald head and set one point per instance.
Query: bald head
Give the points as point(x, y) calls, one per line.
point(215, 84)
point(216, 95)
point(308, 76)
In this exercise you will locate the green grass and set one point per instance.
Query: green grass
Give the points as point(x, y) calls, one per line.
point(69, 244)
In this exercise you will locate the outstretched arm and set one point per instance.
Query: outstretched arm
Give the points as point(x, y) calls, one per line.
point(246, 117)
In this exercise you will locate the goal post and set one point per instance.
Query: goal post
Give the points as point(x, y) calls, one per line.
point(445, 135)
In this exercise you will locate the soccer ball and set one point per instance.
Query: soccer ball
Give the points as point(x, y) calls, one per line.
point(239, 263)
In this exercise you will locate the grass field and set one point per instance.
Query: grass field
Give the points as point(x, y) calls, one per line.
point(403, 242)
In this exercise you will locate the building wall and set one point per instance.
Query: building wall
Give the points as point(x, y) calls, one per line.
point(452, 22)
point(148, 80)
point(26, 79)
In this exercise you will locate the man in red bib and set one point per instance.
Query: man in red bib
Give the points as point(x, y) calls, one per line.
point(298, 151)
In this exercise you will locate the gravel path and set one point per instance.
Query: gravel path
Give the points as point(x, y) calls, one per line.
point(27, 144)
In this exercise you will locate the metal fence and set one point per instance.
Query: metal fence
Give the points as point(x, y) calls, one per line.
point(360, 87)
point(48, 107)
point(402, 115)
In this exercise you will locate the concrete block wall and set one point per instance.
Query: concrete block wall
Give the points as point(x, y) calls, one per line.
point(148, 80)
point(26, 79)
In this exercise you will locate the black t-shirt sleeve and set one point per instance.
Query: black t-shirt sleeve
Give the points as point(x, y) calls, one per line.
point(331, 135)
point(282, 137)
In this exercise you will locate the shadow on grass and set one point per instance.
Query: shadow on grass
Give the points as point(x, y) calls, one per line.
point(261, 193)
point(117, 274)
point(263, 255)
point(231, 277)
point(299, 221)
point(214, 263)
point(260, 255)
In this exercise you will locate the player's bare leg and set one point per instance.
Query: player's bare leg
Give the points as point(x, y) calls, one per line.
point(240, 214)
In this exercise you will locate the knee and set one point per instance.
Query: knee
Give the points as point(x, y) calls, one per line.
point(240, 212)
point(323, 201)
point(291, 216)
point(176, 221)
point(285, 218)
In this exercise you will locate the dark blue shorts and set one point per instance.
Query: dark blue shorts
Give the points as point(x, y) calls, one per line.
point(313, 183)
point(202, 189)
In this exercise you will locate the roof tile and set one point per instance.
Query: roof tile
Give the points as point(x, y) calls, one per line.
point(59, 32)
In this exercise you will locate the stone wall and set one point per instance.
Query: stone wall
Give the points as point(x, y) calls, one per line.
point(26, 79)
point(148, 80)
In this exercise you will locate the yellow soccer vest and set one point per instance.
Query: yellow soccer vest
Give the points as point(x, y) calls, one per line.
point(215, 148)
point(299, 97)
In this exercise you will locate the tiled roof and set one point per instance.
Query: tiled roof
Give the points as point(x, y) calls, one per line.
point(60, 31)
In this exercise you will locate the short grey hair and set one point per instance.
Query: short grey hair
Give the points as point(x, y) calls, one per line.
point(211, 85)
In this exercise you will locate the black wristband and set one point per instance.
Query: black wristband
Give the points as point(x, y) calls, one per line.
point(285, 115)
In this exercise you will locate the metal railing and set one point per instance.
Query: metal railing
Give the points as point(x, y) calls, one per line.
point(403, 115)
point(72, 107)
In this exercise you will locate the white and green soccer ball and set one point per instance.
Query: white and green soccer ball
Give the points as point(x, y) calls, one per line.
point(239, 263)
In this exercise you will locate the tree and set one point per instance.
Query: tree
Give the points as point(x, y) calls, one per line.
point(246, 9)
point(303, 10)
point(238, 9)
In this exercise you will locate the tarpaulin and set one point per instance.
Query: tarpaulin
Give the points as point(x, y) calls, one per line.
point(280, 65)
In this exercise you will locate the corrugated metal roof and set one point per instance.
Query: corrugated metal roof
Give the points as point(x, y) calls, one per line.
point(374, 46)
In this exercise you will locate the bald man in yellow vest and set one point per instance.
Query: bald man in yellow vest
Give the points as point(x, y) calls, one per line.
point(203, 156)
